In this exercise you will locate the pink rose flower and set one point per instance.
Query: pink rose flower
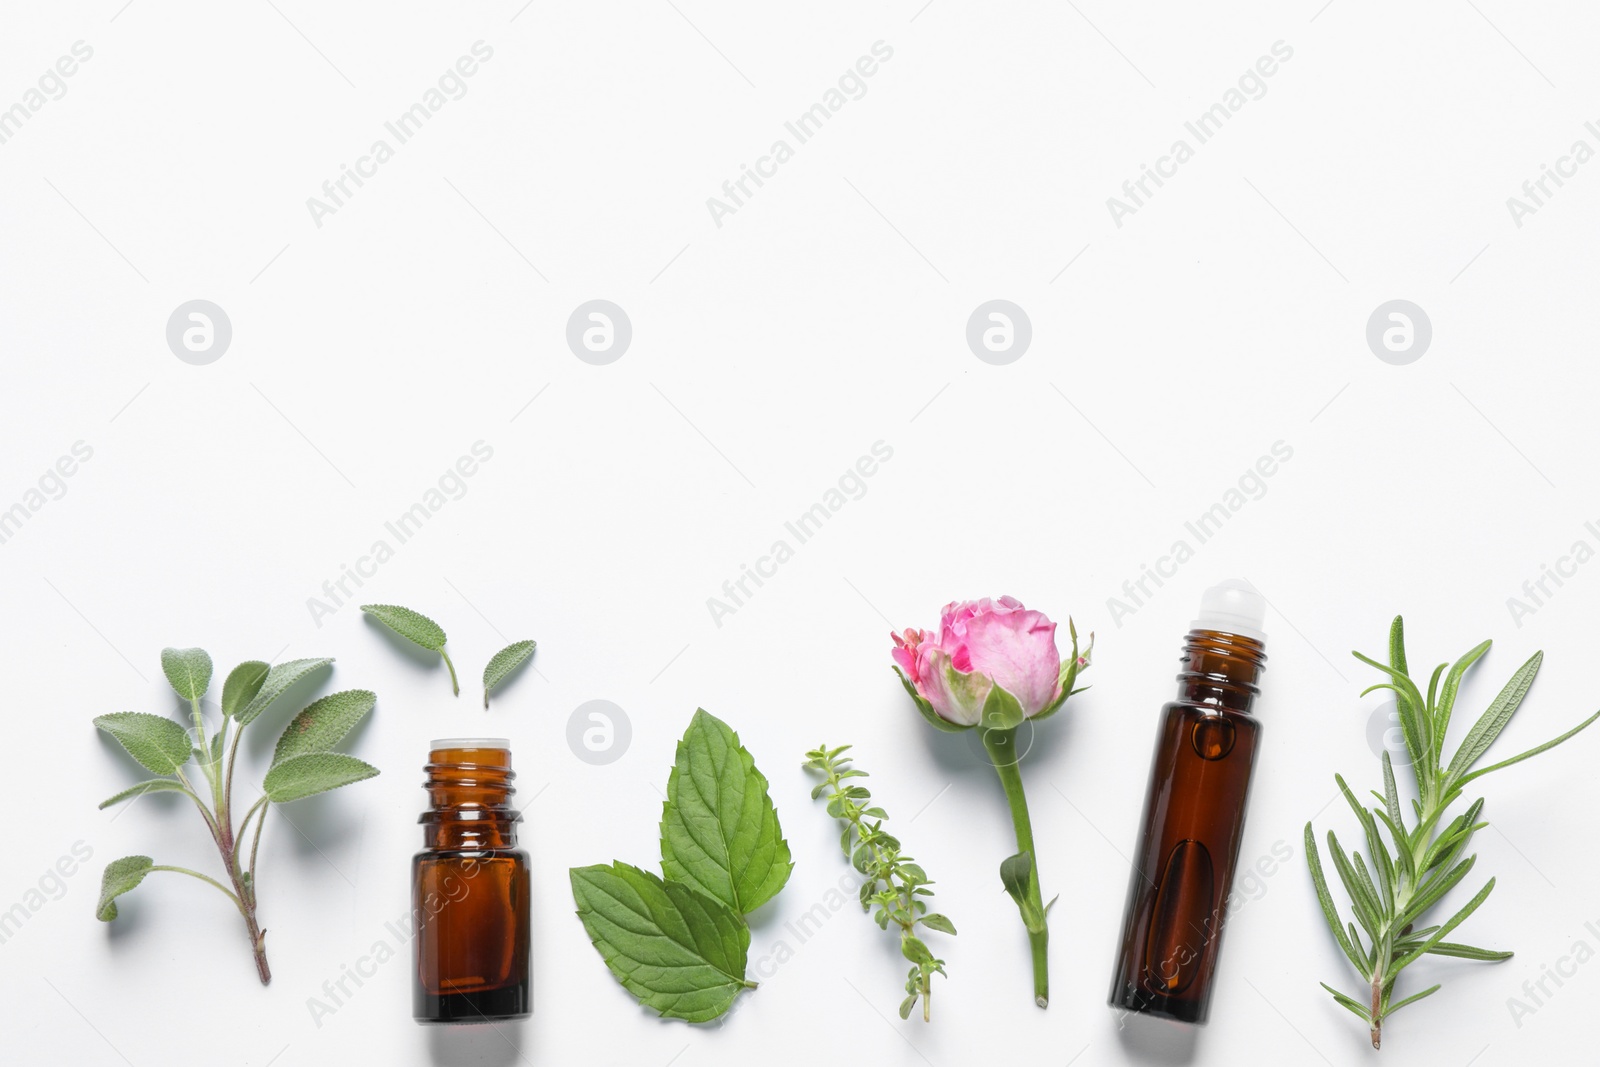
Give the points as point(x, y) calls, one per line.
point(992, 666)
point(982, 644)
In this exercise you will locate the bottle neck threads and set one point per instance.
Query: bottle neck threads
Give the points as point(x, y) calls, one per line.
point(469, 793)
point(1220, 669)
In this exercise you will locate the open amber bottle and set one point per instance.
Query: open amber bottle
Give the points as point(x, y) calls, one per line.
point(1194, 813)
point(469, 890)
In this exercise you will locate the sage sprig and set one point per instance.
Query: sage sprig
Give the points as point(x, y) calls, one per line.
point(303, 764)
point(1405, 876)
point(894, 883)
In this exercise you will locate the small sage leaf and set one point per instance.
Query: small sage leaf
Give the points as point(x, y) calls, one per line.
point(279, 678)
point(411, 625)
point(313, 773)
point(120, 876)
point(505, 661)
point(154, 785)
point(719, 830)
point(416, 628)
point(160, 745)
point(323, 724)
point(243, 683)
point(188, 670)
point(676, 949)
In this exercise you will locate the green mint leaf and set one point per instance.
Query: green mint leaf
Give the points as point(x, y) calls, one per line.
point(160, 745)
point(313, 773)
point(243, 683)
point(504, 662)
point(154, 785)
point(719, 830)
point(188, 670)
point(677, 950)
point(323, 724)
point(279, 678)
point(939, 922)
point(120, 876)
point(411, 625)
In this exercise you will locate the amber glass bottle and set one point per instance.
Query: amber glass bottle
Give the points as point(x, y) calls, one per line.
point(469, 890)
point(1194, 813)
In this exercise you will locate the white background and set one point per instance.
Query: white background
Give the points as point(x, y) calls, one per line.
point(768, 354)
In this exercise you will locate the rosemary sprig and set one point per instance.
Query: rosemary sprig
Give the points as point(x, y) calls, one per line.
point(1391, 896)
point(893, 883)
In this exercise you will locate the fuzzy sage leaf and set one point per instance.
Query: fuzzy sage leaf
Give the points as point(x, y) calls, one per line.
point(416, 628)
point(503, 663)
point(188, 670)
point(242, 685)
point(160, 745)
point(278, 680)
point(154, 785)
point(316, 772)
point(323, 724)
point(120, 876)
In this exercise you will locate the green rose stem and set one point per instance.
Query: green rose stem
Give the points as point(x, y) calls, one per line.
point(1001, 747)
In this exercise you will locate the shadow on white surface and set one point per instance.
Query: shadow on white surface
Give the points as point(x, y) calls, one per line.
point(477, 1044)
point(1157, 1040)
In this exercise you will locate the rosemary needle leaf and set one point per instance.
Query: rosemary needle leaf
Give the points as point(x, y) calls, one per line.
point(1390, 891)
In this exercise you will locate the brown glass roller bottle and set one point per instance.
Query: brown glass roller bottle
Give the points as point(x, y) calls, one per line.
point(1194, 813)
point(469, 890)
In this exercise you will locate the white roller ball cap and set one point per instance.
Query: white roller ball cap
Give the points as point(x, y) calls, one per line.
point(1233, 606)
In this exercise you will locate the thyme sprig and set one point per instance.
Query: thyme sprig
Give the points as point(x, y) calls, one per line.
point(1392, 890)
point(894, 884)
